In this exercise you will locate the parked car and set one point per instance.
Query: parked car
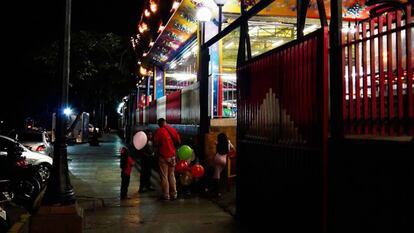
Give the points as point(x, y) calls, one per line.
point(41, 161)
point(25, 180)
point(36, 141)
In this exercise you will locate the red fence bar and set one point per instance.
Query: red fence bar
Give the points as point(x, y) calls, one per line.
point(365, 76)
point(379, 74)
point(173, 105)
point(409, 77)
point(344, 102)
point(350, 79)
point(316, 69)
point(152, 112)
point(390, 75)
point(295, 86)
point(357, 80)
point(302, 82)
point(399, 75)
point(373, 80)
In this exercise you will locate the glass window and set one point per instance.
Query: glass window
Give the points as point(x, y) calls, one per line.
point(26, 136)
point(276, 25)
point(222, 76)
point(4, 144)
point(182, 70)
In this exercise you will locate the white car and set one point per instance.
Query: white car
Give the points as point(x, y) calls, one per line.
point(43, 162)
point(36, 141)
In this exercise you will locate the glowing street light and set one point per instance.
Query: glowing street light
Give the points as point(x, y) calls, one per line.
point(153, 6)
point(67, 111)
point(147, 13)
point(203, 15)
point(175, 6)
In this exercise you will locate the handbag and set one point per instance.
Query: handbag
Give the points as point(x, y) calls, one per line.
point(232, 154)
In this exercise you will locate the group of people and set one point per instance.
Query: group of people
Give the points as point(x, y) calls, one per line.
point(162, 146)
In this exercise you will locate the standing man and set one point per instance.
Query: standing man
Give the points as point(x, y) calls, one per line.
point(165, 139)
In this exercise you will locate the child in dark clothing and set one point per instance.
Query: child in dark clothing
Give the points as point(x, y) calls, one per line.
point(147, 157)
point(126, 167)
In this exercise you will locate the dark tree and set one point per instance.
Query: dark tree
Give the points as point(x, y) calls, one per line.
point(102, 71)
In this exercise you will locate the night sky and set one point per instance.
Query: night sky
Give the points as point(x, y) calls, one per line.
point(30, 25)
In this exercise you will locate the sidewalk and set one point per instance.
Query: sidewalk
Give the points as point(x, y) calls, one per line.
point(227, 201)
point(95, 175)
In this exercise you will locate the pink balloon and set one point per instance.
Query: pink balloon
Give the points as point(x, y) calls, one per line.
point(140, 140)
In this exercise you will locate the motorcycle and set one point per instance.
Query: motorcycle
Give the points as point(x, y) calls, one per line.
point(25, 181)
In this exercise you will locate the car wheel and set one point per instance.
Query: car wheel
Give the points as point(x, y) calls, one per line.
point(44, 172)
point(27, 189)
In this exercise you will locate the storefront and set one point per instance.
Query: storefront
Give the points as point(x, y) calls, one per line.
point(188, 68)
point(170, 62)
point(267, 70)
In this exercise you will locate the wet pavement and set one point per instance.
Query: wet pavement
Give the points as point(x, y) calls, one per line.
point(95, 176)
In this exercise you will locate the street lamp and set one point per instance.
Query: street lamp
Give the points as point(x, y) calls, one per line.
point(220, 4)
point(67, 111)
point(59, 189)
point(203, 15)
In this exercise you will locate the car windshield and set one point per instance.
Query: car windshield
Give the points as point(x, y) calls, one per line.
point(34, 137)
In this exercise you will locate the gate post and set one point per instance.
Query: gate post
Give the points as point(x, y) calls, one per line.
point(336, 75)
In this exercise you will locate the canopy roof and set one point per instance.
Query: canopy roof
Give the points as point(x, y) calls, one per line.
point(183, 24)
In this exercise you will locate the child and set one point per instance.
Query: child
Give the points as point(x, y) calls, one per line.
point(147, 157)
point(223, 147)
point(126, 167)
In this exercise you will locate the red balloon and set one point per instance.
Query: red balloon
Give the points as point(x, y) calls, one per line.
point(181, 166)
point(197, 170)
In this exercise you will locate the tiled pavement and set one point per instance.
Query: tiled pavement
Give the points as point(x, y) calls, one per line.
point(95, 175)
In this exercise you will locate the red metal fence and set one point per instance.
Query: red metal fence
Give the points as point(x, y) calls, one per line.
point(283, 94)
point(378, 73)
point(173, 107)
point(282, 124)
point(152, 112)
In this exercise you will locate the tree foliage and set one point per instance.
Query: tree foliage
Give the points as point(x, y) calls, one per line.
point(102, 68)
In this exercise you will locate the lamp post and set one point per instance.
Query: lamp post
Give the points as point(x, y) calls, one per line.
point(220, 4)
point(203, 16)
point(59, 189)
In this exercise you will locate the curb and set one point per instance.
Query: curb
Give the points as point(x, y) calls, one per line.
point(21, 226)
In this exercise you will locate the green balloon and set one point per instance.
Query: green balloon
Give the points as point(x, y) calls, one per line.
point(185, 152)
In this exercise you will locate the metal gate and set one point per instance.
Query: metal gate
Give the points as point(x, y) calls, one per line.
point(378, 72)
point(282, 134)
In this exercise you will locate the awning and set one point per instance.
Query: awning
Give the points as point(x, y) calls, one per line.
point(179, 29)
point(183, 24)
